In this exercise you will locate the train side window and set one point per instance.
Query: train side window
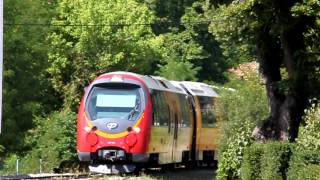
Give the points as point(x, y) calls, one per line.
point(204, 119)
point(185, 119)
point(155, 112)
point(160, 109)
point(211, 119)
point(207, 112)
point(164, 110)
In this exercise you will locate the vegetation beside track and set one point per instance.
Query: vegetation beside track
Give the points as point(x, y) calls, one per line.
point(53, 49)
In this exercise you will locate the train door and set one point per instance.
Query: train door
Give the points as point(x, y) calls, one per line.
point(175, 154)
point(207, 142)
point(192, 106)
point(173, 127)
point(161, 138)
point(193, 123)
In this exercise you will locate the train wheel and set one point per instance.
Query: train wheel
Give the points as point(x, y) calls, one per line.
point(168, 167)
point(138, 169)
point(190, 165)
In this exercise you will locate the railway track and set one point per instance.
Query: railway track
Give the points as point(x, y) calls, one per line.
point(179, 173)
point(69, 176)
point(47, 176)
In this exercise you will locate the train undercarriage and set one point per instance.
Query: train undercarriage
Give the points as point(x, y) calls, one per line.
point(115, 161)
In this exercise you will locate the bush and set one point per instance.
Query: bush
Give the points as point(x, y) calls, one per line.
point(266, 161)
point(53, 141)
point(9, 165)
point(309, 137)
point(240, 111)
point(275, 160)
point(251, 165)
point(57, 139)
point(305, 164)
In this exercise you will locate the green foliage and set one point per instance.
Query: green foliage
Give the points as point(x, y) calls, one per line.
point(213, 64)
point(271, 160)
point(241, 111)
point(79, 53)
point(266, 161)
point(116, 35)
point(177, 53)
point(305, 164)
point(168, 14)
point(9, 165)
point(309, 137)
point(53, 141)
point(275, 160)
point(306, 161)
point(233, 26)
point(245, 29)
point(175, 70)
point(25, 85)
point(310, 8)
point(187, 41)
point(251, 166)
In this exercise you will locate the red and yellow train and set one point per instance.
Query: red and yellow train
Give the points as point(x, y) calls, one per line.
point(127, 120)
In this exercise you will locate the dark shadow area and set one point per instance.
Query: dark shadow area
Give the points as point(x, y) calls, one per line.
point(203, 173)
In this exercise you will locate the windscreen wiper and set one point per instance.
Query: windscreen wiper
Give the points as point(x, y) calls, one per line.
point(133, 111)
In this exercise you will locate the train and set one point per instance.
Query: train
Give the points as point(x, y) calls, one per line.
point(127, 121)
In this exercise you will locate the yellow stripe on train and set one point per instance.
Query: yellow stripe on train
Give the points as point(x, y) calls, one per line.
point(112, 136)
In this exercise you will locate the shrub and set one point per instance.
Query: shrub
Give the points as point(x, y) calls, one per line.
point(266, 161)
point(53, 141)
point(9, 165)
point(251, 165)
point(275, 160)
point(240, 111)
point(309, 137)
point(305, 163)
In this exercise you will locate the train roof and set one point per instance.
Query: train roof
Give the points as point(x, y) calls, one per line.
point(199, 89)
point(160, 83)
point(181, 87)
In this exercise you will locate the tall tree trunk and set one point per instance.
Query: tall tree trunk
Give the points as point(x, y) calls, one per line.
point(286, 105)
point(270, 61)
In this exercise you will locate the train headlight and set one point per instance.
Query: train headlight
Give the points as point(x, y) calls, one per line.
point(137, 129)
point(131, 139)
point(116, 78)
point(92, 137)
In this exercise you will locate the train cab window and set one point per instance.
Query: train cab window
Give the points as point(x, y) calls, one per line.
point(115, 103)
point(207, 112)
point(160, 109)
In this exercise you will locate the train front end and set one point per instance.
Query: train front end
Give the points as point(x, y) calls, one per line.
point(113, 123)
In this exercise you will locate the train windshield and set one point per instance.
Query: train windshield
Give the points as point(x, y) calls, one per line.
point(114, 103)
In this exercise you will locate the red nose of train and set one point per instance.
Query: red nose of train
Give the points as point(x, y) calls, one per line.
point(112, 112)
point(92, 137)
point(131, 139)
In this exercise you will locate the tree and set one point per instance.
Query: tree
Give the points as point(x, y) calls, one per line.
point(212, 62)
point(98, 37)
point(179, 51)
point(193, 50)
point(168, 14)
point(25, 61)
point(277, 36)
point(240, 111)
